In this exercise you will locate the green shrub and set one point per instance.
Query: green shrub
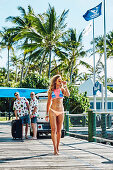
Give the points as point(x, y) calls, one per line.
point(76, 104)
point(35, 81)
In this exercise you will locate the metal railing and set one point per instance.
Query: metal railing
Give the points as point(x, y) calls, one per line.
point(95, 126)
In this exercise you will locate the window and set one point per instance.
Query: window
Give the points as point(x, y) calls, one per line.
point(112, 105)
point(98, 105)
point(109, 105)
point(91, 105)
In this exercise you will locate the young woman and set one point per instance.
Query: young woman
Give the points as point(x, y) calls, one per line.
point(55, 109)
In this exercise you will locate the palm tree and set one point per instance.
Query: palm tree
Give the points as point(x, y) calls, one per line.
point(74, 50)
point(99, 43)
point(7, 42)
point(23, 22)
point(99, 68)
point(46, 31)
point(3, 77)
point(15, 61)
point(109, 43)
point(99, 46)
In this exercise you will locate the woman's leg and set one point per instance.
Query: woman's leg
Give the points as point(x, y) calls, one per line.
point(60, 119)
point(52, 118)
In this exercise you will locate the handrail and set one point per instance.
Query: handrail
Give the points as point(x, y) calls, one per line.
point(99, 138)
point(76, 134)
point(83, 114)
point(103, 112)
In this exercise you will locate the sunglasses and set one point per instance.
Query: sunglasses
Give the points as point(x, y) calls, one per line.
point(16, 94)
point(60, 81)
point(31, 94)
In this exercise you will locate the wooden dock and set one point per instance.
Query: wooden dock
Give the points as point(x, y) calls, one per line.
point(38, 154)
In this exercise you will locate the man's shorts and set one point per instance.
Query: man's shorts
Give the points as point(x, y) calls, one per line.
point(34, 120)
point(25, 119)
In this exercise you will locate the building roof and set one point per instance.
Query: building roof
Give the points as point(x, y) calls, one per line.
point(87, 86)
point(24, 92)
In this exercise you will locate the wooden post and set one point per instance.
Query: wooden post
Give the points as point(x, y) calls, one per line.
point(83, 121)
point(91, 126)
point(103, 125)
point(9, 108)
point(67, 118)
point(67, 125)
point(109, 121)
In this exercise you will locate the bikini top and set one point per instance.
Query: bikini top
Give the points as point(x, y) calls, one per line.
point(57, 93)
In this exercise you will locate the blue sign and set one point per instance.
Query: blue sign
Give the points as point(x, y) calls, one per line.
point(97, 86)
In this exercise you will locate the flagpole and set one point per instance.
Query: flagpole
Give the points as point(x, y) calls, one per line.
point(89, 15)
point(94, 96)
point(105, 57)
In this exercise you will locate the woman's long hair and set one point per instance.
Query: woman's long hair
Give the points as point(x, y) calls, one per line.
point(53, 83)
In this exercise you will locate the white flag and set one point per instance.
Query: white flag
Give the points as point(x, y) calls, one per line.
point(87, 29)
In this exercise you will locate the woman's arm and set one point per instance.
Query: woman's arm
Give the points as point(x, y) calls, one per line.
point(48, 102)
point(65, 91)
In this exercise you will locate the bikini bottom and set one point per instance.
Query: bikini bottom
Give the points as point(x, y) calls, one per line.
point(56, 112)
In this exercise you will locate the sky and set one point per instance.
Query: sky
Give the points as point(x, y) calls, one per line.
point(77, 9)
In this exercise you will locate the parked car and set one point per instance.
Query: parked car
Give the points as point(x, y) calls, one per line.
point(43, 126)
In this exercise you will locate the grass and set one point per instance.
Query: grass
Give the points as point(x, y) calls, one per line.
point(5, 118)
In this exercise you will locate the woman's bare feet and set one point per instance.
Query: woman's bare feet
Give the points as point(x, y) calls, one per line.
point(55, 152)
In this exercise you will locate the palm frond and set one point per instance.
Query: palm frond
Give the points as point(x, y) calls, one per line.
point(62, 19)
point(16, 20)
point(51, 20)
point(80, 37)
point(38, 25)
point(85, 64)
point(22, 10)
point(36, 55)
point(30, 10)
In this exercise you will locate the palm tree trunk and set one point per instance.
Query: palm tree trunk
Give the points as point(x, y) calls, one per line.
point(22, 71)
point(49, 65)
point(22, 74)
point(71, 73)
point(27, 66)
point(8, 67)
point(16, 72)
point(26, 71)
point(40, 72)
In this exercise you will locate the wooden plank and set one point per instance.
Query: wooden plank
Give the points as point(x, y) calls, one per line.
point(38, 154)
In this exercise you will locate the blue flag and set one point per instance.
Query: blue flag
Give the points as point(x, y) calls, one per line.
point(93, 13)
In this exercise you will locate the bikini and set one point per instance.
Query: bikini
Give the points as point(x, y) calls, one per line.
point(57, 93)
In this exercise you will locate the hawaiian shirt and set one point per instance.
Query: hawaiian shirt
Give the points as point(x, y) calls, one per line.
point(33, 103)
point(21, 106)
